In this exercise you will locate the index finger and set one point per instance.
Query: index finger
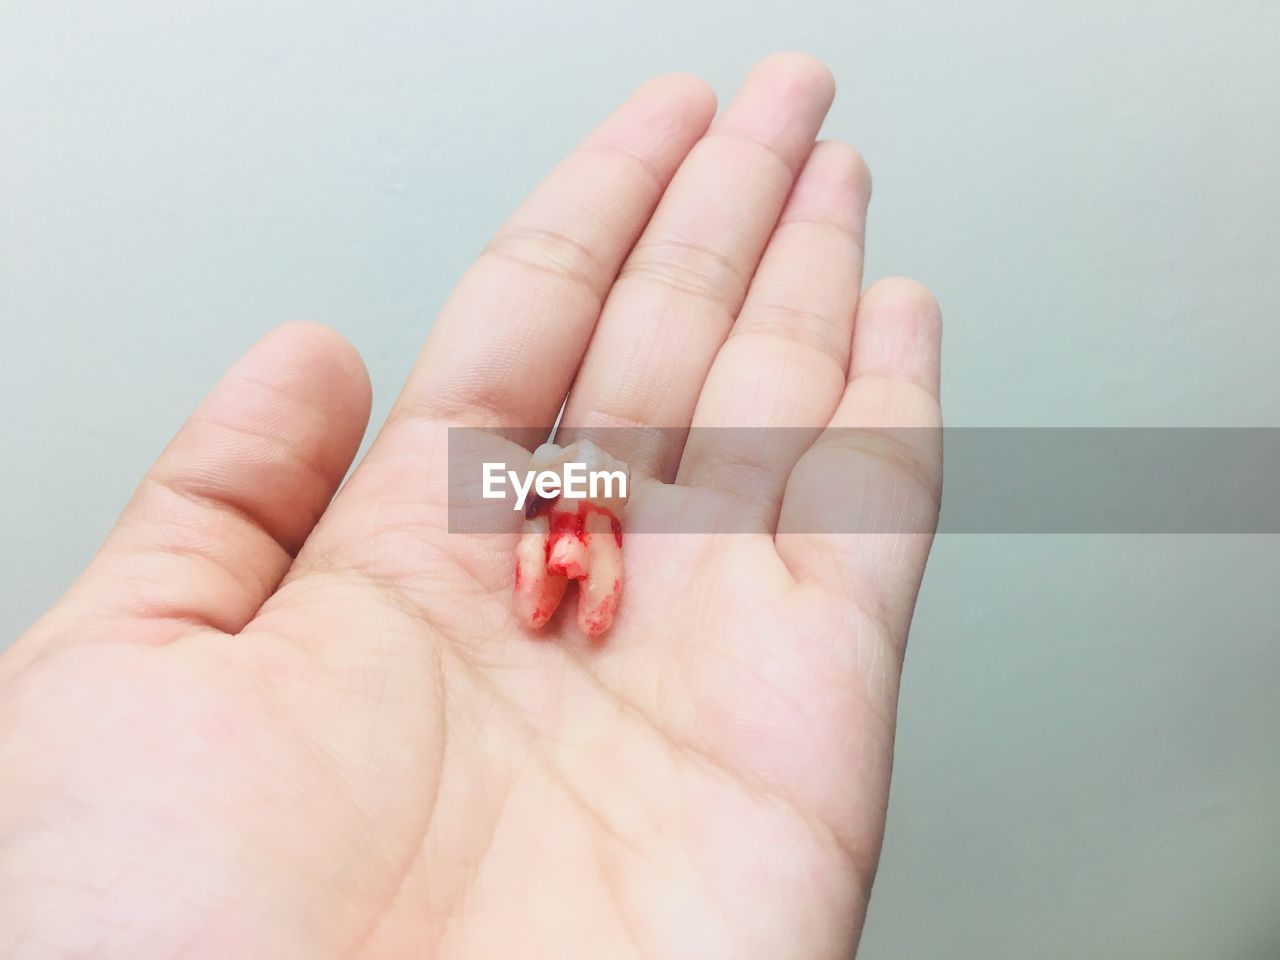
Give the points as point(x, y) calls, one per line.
point(507, 344)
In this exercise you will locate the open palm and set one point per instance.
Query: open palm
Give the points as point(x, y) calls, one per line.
point(264, 724)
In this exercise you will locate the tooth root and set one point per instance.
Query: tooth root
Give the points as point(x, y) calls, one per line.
point(568, 557)
point(601, 591)
point(538, 591)
point(572, 540)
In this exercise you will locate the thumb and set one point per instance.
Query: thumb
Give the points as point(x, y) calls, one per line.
point(216, 521)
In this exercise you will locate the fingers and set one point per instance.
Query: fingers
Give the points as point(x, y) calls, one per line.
point(216, 521)
point(682, 286)
point(898, 339)
point(506, 346)
point(786, 360)
point(878, 468)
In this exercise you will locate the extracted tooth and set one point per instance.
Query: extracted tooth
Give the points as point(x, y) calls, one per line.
point(581, 539)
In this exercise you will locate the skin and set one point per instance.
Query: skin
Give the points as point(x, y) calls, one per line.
point(268, 724)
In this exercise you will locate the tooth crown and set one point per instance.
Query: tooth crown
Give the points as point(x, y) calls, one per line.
point(553, 457)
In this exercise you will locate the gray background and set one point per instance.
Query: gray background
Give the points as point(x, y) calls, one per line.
point(1089, 758)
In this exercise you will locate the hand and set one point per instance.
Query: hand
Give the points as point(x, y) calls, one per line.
point(264, 724)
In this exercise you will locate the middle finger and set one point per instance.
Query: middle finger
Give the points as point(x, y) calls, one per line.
point(683, 284)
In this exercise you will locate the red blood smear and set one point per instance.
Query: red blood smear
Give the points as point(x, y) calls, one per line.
point(608, 610)
point(566, 524)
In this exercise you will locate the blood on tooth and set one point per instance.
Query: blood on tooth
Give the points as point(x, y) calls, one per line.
point(538, 591)
point(563, 540)
point(600, 592)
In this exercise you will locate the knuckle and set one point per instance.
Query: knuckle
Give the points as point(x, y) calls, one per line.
point(687, 267)
point(551, 252)
point(797, 328)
